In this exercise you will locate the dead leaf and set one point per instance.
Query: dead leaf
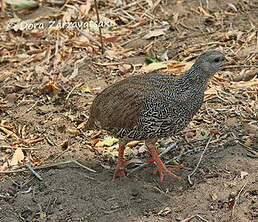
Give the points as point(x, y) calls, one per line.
point(153, 67)
point(2, 137)
point(150, 3)
point(109, 141)
point(132, 143)
point(73, 131)
point(174, 18)
point(5, 74)
point(94, 142)
point(231, 203)
point(201, 134)
point(11, 98)
point(18, 157)
point(210, 93)
point(82, 125)
point(51, 87)
point(214, 196)
point(86, 8)
point(248, 142)
point(124, 68)
point(74, 73)
point(165, 211)
point(189, 135)
point(231, 121)
point(244, 84)
point(142, 149)
point(107, 167)
point(243, 174)
point(251, 130)
point(66, 17)
point(65, 145)
point(155, 33)
point(135, 161)
point(203, 12)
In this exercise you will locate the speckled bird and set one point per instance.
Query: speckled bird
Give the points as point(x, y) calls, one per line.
point(152, 106)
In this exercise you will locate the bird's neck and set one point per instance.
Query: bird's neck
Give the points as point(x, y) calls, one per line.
point(193, 79)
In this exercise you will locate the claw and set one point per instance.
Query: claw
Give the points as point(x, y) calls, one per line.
point(161, 167)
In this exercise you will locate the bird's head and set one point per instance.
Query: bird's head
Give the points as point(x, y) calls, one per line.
point(210, 62)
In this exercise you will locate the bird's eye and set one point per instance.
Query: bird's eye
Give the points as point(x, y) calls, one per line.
point(218, 59)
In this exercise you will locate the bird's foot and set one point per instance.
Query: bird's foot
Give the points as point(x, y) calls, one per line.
point(120, 170)
point(168, 171)
point(150, 161)
point(161, 166)
point(121, 164)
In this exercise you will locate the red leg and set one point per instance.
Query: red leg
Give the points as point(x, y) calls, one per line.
point(150, 161)
point(120, 163)
point(160, 165)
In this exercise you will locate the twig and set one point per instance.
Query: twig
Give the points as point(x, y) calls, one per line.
point(90, 38)
point(130, 5)
point(29, 109)
point(100, 33)
point(2, 8)
point(237, 197)
point(77, 86)
point(3, 196)
point(23, 148)
point(155, 5)
point(189, 176)
point(27, 191)
point(193, 216)
point(197, 215)
point(246, 76)
point(33, 171)
point(49, 166)
point(161, 191)
point(82, 166)
point(188, 219)
point(171, 146)
point(67, 1)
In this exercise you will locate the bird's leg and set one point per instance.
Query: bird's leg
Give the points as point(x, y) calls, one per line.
point(170, 169)
point(160, 165)
point(120, 163)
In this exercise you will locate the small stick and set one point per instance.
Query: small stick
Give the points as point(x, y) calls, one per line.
point(2, 8)
point(197, 215)
point(27, 191)
point(77, 86)
point(33, 171)
point(49, 166)
point(89, 37)
point(23, 148)
point(29, 109)
point(161, 191)
point(84, 167)
point(146, 164)
point(100, 33)
point(237, 197)
point(189, 176)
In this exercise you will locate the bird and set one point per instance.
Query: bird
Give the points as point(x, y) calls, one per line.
point(149, 107)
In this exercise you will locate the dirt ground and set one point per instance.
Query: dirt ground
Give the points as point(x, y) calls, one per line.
point(226, 181)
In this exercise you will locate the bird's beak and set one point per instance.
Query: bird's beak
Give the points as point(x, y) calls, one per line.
point(230, 63)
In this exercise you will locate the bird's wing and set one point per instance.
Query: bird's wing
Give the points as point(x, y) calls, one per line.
point(119, 105)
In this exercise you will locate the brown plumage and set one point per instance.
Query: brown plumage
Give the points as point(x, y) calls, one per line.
point(152, 106)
